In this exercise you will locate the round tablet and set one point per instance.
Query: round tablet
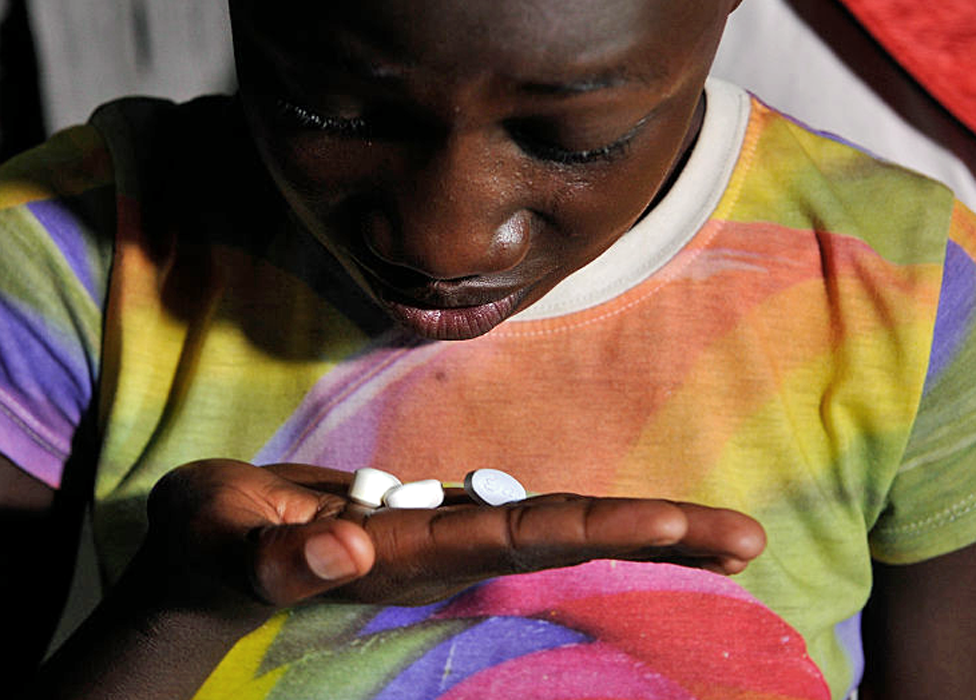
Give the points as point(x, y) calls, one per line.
point(493, 487)
point(427, 493)
point(370, 485)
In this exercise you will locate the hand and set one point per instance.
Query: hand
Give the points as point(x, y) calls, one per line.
point(284, 533)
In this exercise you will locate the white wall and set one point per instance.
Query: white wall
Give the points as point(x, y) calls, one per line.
point(90, 51)
point(771, 51)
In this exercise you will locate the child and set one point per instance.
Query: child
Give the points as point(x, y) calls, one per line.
point(662, 289)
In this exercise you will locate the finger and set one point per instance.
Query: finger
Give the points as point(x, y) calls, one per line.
point(721, 533)
point(719, 540)
point(235, 495)
point(535, 534)
point(325, 479)
point(293, 562)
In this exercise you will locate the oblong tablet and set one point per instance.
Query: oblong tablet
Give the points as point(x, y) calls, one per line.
point(427, 493)
point(493, 487)
point(370, 485)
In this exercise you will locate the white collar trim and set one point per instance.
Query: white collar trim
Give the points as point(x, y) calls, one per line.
point(668, 227)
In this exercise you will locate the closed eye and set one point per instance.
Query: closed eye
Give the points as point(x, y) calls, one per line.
point(528, 135)
point(534, 141)
point(340, 126)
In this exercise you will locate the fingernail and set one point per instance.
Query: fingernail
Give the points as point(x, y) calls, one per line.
point(328, 558)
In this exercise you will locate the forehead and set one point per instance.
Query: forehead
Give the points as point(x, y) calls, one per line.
point(529, 39)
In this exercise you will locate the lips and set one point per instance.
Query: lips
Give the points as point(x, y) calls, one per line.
point(443, 309)
point(453, 323)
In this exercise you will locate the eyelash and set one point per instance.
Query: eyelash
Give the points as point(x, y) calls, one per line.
point(340, 126)
point(358, 127)
point(543, 150)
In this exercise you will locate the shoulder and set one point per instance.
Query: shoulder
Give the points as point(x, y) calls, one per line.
point(57, 216)
point(70, 163)
point(122, 151)
point(181, 170)
point(796, 176)
point(147, 137)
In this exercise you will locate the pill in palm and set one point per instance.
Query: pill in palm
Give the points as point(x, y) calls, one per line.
point(493, 487)
point(427, 493)
point(370, 485)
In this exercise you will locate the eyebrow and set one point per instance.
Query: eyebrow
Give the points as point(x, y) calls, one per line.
point(602, 81)
point(393, 75)
point(312, 56)
point(348, 59)
point(379, 72)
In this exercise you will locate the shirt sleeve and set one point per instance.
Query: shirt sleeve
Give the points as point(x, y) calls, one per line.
point(56, 231)
point(931, 507)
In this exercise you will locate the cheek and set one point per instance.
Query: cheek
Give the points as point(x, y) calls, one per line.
point(309, 168)
point(328, 188)
point(613, 197)
point(602, 207)
point(320, 176)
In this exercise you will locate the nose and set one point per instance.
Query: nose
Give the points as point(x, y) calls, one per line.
point(458, 212)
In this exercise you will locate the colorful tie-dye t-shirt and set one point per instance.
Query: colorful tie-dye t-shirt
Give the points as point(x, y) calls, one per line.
point(789, 333)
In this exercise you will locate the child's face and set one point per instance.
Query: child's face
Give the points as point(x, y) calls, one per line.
point(462, 158)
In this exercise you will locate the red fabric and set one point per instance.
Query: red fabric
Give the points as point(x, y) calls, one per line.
point(934, 41)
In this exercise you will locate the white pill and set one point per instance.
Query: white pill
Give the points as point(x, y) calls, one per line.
point(370, 485)
point(427, 493)
point(493, 487)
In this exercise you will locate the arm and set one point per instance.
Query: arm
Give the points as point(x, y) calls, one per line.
point(155, 636)
point(125, 634)
point(920, 630)
point(38, 559)
point(229, 544)
point(166, 624)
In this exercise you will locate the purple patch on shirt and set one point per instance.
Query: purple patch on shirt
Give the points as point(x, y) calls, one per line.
point(62, 227)
point(44, 386)
point(954, 319)
point(401, 616)
point(488, 644)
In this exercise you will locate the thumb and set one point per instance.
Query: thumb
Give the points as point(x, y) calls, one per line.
point(293, 562)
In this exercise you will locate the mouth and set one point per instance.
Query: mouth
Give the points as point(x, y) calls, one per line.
point(455, 322)
point(444, 309)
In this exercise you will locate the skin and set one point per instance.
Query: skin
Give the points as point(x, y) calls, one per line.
point(460, 180)
point(920, 630)
point(455, 208)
